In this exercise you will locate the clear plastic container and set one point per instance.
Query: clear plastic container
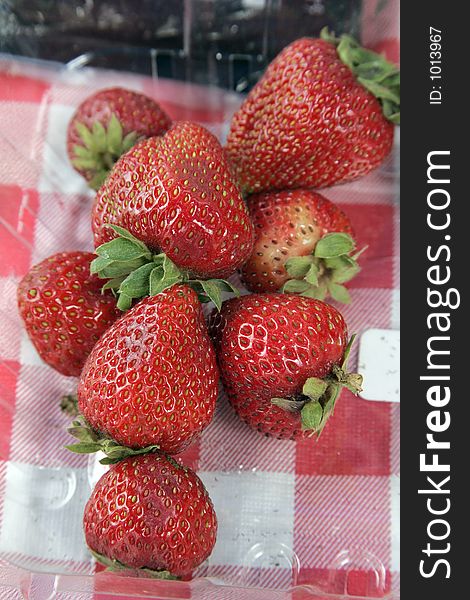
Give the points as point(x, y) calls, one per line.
point(305, 520)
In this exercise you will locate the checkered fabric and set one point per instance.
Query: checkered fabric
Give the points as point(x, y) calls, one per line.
point(323, 514)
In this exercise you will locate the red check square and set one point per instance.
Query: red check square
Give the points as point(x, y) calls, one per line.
point(9, 370)
point(18, 209)
point(355, 441)
point(374, 227)
point(367, 583)
point(18, 88)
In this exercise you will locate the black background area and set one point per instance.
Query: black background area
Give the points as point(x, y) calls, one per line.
point(425, 128)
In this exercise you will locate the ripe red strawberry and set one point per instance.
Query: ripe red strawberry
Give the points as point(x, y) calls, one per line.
point(106, 125)
point(148, 512)
point(321, 114)
point(64, 311)
point(177, 195)
point(282, 361)
point(302, 244)
point(151, 379)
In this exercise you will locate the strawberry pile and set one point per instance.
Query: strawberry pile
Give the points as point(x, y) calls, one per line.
point(174, 215)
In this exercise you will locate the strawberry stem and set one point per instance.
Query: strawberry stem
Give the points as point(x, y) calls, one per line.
point(324, 271)
point(134, 272)
point(114, 565)
point(379, 76)
point(90, 442)
point(100, 148)
point(319, 396)
point(69, 405)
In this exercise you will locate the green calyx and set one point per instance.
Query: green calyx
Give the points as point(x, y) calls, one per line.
point(69, 405)
point(114, 565)
point(89, 442)
point(324, 272)
point(318, 399)
point(373, 71)
point(101, 148)
point(134, 272)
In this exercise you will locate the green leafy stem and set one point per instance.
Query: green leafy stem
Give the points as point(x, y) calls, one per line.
point(134, 272)
point(114, 565)
point(318, 399)
point(89, 442)
point(101, 147)
point(372, 70)
point(325, 270)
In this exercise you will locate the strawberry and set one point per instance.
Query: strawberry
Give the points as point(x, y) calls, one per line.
point(147, 512)
point(282, 360)
point(64, 311)
point(321, 114)
point(302, 244)
point(106, 125)
point(150, 381)
point(176, 195)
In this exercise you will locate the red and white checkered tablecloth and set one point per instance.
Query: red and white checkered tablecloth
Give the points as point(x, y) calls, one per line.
point(322, 513)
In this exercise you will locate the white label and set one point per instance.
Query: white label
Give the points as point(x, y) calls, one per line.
point(379, 364)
